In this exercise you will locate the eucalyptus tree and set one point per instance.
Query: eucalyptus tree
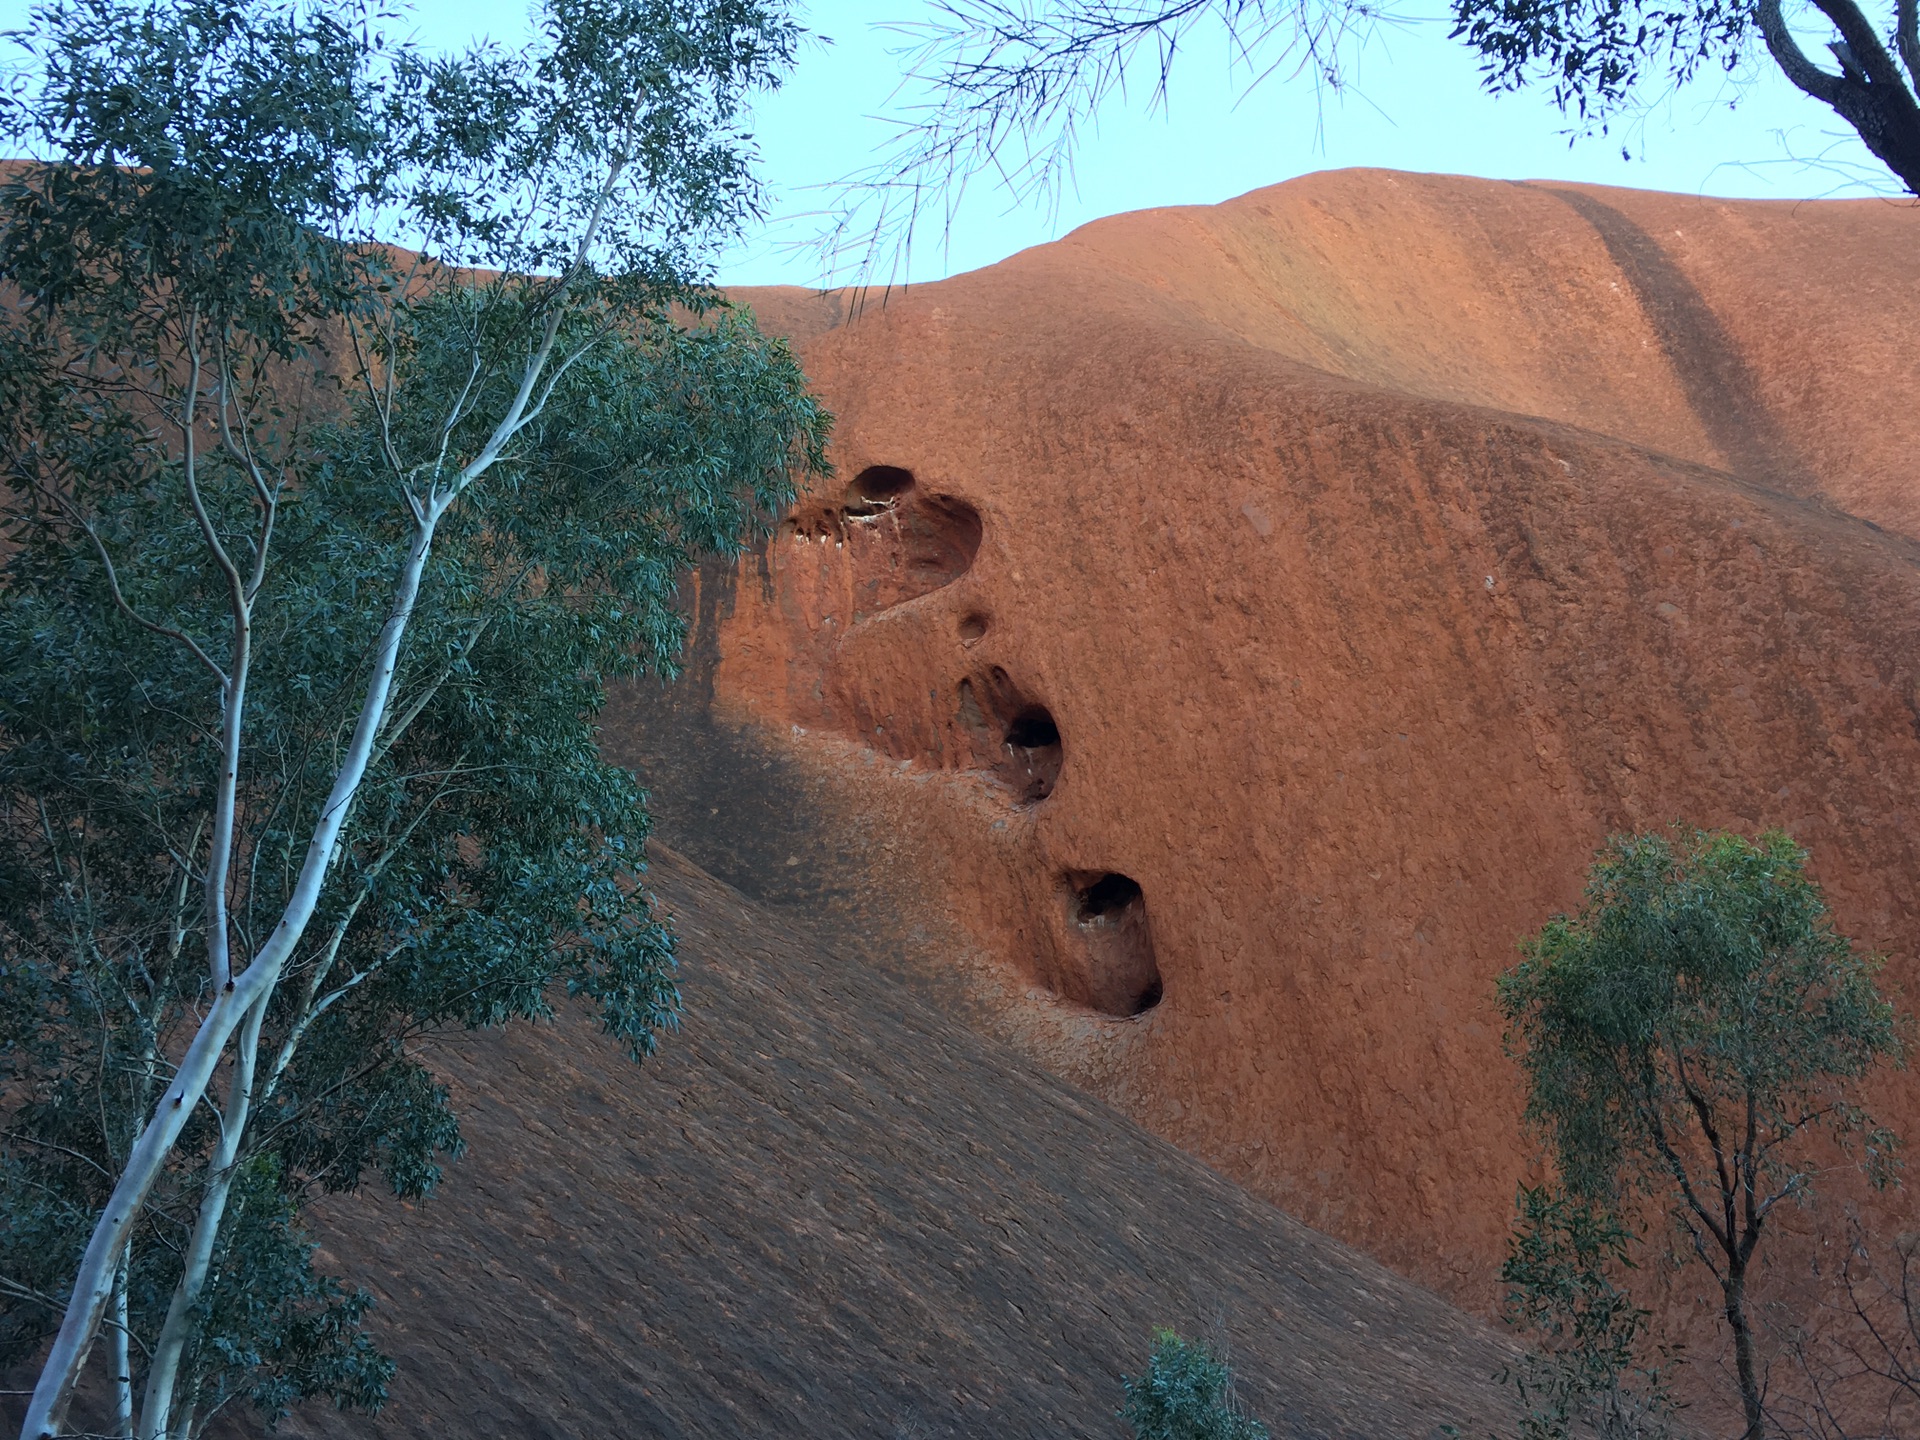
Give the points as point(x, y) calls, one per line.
point(318, 554)
point(1692, 1040)
point(1601, 57)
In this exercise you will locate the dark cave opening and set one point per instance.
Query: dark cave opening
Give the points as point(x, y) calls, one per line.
point(1033, 729)
point(878, 484)
point(1033, 746)
point(1122, 976)
point(1104, 897)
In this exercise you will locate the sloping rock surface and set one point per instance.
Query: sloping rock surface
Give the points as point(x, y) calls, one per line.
point(826, 1209)
point(1231, 628)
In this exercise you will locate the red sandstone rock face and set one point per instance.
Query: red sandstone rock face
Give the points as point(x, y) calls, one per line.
point(1246, 621)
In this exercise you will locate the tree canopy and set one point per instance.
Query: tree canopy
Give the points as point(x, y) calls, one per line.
point(1693, 1038)
point(1599, 57)
point(318, 556)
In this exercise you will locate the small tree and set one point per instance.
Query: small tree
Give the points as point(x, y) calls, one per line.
point(1185, 1394)
point(317, 557)
point(1687, 1037)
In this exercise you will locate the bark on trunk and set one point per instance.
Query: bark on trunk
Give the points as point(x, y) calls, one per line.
point(157, 1407)
point(120, 1350)
point(1734, 1290)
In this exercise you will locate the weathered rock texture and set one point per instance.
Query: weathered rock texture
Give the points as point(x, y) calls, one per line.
point(1243, 623)
point(827, 1210)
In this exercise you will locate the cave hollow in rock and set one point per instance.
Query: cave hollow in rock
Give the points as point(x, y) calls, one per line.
point(1034, 753)
point(1113, 966)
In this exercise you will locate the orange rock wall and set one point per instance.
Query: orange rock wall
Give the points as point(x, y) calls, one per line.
point(1338, 566)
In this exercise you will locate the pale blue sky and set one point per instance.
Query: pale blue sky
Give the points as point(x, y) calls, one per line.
point(1416, 105)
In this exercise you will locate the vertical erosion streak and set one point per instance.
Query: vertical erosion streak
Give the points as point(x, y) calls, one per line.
point(1720, 387)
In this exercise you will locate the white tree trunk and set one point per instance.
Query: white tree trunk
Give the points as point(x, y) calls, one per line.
point(157, 1407)
point(93, 1280)
point(119, 1351)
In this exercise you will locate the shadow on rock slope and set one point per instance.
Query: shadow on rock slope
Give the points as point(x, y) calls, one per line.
point(827, 1210)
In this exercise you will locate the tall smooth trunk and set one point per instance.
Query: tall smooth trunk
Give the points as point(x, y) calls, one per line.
point(157, 1407)
point(93, 1279)
point(119, 1350)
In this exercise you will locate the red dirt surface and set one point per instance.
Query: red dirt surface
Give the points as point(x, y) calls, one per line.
point(1263, 611)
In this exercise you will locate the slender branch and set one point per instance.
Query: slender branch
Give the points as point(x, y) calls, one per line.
point(268, 496)
point(510, 423)
point(1704, 1113)
point(233, 701)
point(459, 411)
point(308, 1011)
point(391, 378)
point(188, 424)
point(1747, 1161)
point(559, 371)
point(15, 1137)
point(121, 603)
point(1650, 1117)
point(363, 367)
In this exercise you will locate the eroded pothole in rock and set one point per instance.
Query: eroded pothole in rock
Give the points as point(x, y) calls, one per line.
point(1010, 734)
point(1115, 965)
point(894, 541)
point(1034, 753)
point(882, 484)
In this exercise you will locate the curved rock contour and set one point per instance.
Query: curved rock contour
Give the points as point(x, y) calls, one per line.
point(1373, 546)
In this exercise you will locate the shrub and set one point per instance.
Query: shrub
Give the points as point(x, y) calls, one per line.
point(1186, 1394)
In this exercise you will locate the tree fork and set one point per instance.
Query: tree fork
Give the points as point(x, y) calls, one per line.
point(93, 1281)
